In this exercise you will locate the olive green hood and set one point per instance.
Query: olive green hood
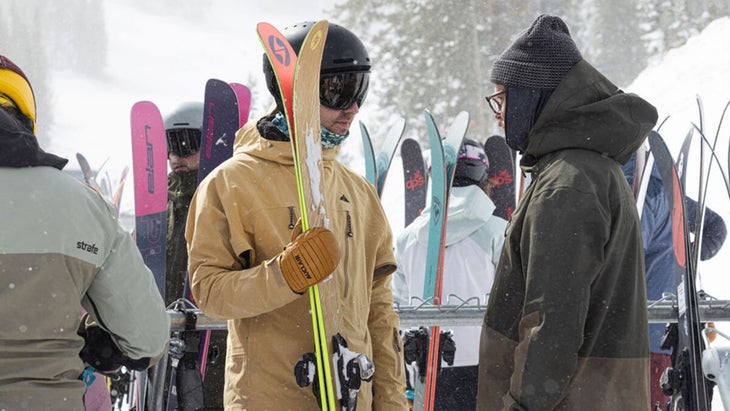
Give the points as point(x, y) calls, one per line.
point(587, 111)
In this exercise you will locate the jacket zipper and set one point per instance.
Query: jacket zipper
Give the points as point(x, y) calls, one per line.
point(348, 235)
point(397, 349)
point(292, 217)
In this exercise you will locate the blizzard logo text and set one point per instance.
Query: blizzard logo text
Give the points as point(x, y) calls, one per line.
point(91, 248)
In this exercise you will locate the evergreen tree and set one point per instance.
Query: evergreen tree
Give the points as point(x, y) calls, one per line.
point(431, 54)
point(438, 55)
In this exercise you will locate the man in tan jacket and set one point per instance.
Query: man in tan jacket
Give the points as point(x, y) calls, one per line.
point(245, 251)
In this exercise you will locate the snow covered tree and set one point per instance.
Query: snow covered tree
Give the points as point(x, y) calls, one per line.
point(434, 54)
point(438, 55)
point(22, 43)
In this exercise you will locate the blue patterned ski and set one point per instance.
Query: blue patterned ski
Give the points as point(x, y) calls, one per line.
point(443, 163)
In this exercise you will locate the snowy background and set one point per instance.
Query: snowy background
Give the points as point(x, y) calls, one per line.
point(168, 60)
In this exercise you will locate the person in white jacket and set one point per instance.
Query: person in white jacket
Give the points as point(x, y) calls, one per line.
point(474, 238)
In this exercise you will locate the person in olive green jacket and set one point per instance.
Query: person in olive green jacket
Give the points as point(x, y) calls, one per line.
point(249, 263)
point(566, 323)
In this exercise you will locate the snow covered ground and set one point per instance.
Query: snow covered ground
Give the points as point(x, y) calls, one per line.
point(167, 60)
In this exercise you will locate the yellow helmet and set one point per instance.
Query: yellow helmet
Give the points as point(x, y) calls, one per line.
point(15, 85)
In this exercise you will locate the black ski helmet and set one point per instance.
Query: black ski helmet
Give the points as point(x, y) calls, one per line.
point(343, 53)
point(472, 165)
point(183, 127)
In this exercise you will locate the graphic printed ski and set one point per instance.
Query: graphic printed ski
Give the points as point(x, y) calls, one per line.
point(220, 123)
point(501, 175)
point(685, 378)
point(149, 158)
point(415, 179)
point(443, 163)
point(221, 119)
point(298, 81)
point(243, 96)
point(222, 107)
point(376, 167)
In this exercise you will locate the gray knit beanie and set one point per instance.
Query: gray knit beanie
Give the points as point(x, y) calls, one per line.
point(540, 57)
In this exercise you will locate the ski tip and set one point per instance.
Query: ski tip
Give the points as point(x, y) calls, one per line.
point(462, 115)
point(399, 126)
point(364, 129)
point(243, 89)
point(263, 25)
point(214, 81)
point(143, 103)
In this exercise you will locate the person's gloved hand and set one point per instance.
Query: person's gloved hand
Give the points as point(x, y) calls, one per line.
point(309, 258)
point(101, 352)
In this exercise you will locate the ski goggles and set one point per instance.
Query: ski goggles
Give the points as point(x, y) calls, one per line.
point(474, 153)
point(6, 101)
point(183, 142)
point(340, 91)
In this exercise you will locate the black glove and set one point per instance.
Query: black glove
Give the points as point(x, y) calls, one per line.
point(101, 352)
point(415, 349)
point(448, 347)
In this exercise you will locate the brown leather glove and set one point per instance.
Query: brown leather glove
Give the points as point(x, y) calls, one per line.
point(309, 258)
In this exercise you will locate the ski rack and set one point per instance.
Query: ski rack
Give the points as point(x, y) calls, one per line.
point(470, 312)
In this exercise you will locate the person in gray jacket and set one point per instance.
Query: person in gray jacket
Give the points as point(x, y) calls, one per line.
point(62, 249)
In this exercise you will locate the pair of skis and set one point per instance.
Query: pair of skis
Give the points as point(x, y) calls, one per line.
point(297, 77)
point(685, 381)
point(225, 110)
point(443, 164)
point(501, 176)
point(104, 186)
point(376, 167)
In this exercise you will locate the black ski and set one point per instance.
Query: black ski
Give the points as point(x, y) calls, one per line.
point(684, 382)
point(501, 175)
point(415, 179)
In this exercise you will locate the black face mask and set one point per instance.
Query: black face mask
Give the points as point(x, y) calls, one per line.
point(523, 108)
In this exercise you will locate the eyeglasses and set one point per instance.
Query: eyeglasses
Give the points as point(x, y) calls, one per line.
point(340, 91)
point(183, 142)
point(495, 101)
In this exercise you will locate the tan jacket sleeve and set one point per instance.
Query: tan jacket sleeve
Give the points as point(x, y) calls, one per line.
point(221, 285)
point(389, 389)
